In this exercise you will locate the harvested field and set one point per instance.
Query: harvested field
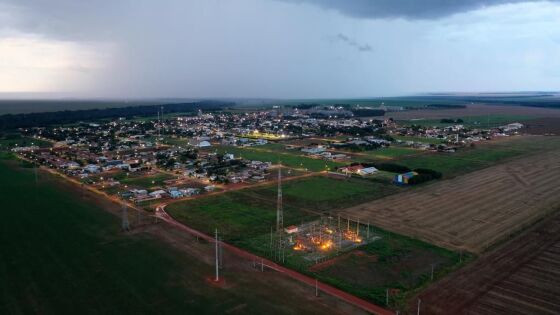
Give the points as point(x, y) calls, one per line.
point(520, 277)
point(475, 110)
point(473, 211)
point(542, 126)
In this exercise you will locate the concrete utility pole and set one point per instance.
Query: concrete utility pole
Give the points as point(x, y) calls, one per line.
point(387, 297)
point(432, 277)
point(418, 310)
point(124, 214)
point(217, 266)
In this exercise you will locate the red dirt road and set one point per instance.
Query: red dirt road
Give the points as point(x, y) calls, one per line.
point(365, 305)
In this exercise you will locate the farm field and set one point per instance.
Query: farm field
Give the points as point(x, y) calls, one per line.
point(475, 110)
point(484, 121)
point(482, 155)
point(543, 126)
point(519, 277)
point(473, 211)
point(287, 159)
point(389, 153)
point(63, 253)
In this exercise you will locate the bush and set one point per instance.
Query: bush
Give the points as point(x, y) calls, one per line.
point(424, 175)
point(391, 167)
point(426, 171)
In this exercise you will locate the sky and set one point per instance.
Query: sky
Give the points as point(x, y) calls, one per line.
point(276, 48)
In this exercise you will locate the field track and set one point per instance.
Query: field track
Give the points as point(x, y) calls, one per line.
point(520, 277)
point(473, 211)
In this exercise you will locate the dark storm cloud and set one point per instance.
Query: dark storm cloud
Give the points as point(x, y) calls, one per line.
point(410, 9)
point(351, 42)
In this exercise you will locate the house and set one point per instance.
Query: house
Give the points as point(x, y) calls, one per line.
point(403, 179)
point(175, 194)
point(314, 150)
point(291, 229)
point(366, 171)
point(91, 168)
point(351, 169)
point(204, 144)
point(158, 193)
point(139, 192)
point(190, 191)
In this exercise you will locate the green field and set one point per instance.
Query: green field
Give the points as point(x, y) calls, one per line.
point(325, 194)
point(488, 121)
point(419, 139)
point(482, 155)
point(147, 181)
point(10, 142)
point(239, 219)
point(394, 262)
point(62, 254)
point(389, 153)
point(287, 159)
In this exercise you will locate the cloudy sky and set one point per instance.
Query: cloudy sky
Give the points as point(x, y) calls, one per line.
point(277, 48)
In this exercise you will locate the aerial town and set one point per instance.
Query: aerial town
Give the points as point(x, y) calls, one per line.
point(191, 155)
point(280, 157)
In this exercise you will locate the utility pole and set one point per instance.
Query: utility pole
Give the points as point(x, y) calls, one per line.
point(125, 223)
point(220, 253)
point(418, 309)
point(387, 297)
point(432, 276)
point(217, 267)
point(35, 170)
point(316, 288)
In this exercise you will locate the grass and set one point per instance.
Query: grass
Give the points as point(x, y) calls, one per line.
point(485, 121)
point(244, 218)
point(419, 139)
point(239, 219)
point(19, 141)
point(287, 159)
point(395, 262)
point(147, 181)
point(323, 194)
point(483, 155)
point(390, 152)
point(61, 255)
